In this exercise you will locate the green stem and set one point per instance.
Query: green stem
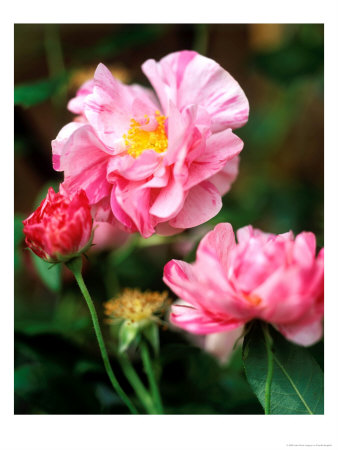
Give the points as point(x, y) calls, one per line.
point(75, 266)
point(201, 38)
point(54, 51)
point(151, 377)
point(55, 61)
point(137, 384)
point(268, 344)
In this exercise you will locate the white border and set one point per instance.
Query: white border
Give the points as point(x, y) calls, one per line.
point(169, 432)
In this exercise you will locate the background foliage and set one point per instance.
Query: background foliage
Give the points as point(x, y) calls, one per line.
point(280, 187)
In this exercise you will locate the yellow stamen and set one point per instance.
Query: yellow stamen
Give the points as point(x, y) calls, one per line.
point(135, 305)
point(138, 140)
point(254, 299)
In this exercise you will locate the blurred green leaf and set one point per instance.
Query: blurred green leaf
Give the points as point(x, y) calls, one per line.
point(297, 383)
point(18, 238)
point(84, 366)
point(299, 57)
point(142, 268)
point(129, 37)
point(107, 396)
point(237, 391)
point(235, 363)
point(200, 44)
point(33, 93)
point(122, 253)
point(50, 275)
point(18, 227)
point(43, 192)
point(270, 124)
point(20, 146)
point(29, 378)
point(70, 319)
point(35, 327)
point(206, 384)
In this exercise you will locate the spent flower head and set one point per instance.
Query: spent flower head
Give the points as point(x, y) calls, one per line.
point(137, 313)
point(133, 305)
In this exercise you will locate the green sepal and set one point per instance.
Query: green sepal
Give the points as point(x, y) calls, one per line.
point(151, 333)
point(75, 264)
point(128, 333)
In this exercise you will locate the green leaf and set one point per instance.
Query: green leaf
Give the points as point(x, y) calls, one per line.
point(297, 385)
point(34, 93)
point(129, 37)
point(35, 327)
point(297, 58)
point(18, 238)
point(106, 396)
point(29, 378)
point(127, 334)
point(84, 366)
point(50, 275)
point(43, 191)
point(18, 227)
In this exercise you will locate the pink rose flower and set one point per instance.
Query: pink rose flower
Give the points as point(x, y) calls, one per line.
point(275, 278)
point(60, 228)
point(155, 164)
point(76, 104)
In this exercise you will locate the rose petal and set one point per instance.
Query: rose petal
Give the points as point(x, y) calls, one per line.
point(201, 204)
point(195, 321)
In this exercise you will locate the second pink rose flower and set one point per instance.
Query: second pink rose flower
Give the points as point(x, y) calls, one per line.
point(155, 164)
point(274, 278)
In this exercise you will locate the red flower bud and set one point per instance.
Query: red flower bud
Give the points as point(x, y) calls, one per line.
point(61, 228)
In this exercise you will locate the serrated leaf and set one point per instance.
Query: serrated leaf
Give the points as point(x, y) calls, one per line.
point(297, 385)
point(50, 275)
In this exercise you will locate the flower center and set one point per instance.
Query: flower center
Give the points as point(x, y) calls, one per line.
point(139, 139)
point(134, 305)
point(254, 299)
